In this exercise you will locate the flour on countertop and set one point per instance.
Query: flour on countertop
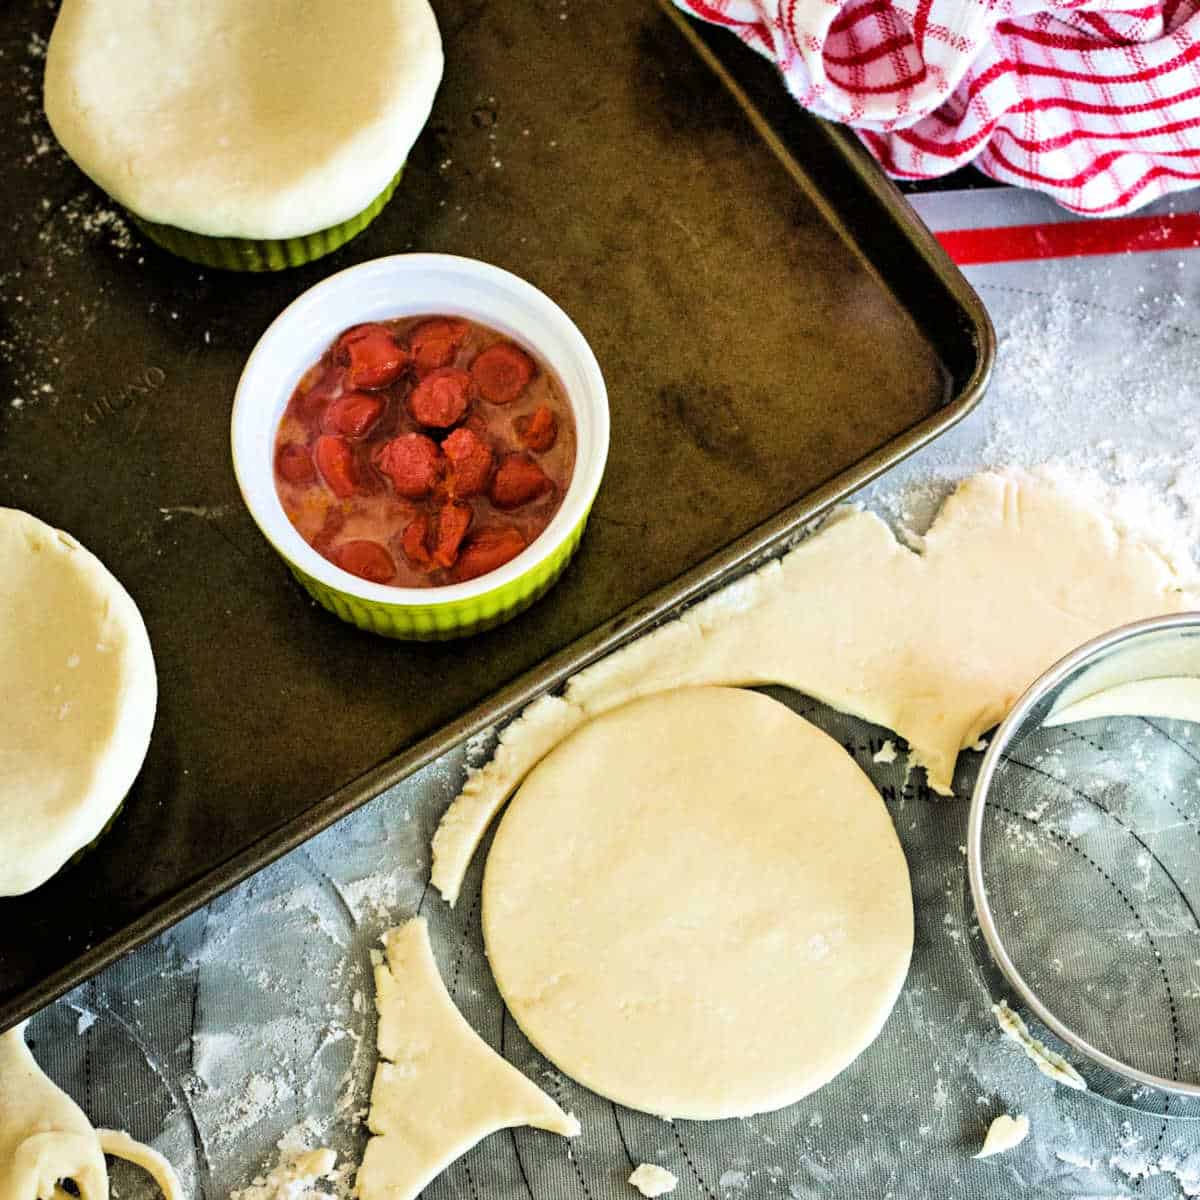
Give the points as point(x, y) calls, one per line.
point(1072, 388)
point(1137, 1164)
point(296, 1176)
point(1076, 1160)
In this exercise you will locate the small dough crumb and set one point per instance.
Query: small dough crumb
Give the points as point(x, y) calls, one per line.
point(292, 1178)
point(886, 753)
point(1004, 1134)
point(653, 1181)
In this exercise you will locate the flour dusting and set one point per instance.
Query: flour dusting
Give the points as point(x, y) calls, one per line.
point(302, 1173)
point(1114, 417)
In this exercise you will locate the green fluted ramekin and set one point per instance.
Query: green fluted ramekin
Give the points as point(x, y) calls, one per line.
point(442, 622)
point(253, 254)
point(409, 285)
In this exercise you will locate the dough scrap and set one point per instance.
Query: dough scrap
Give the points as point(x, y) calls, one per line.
point(1049, 1062)
point(886, 753)
point(1005, 1133)
point(118, 1144)
point(76, 660)
point(697, 906)
point(653, 1181)
point(936, 646)
point(45, 1138)
point(44, 1135)
point(292, 1179)
point(543, 724)
point(440, 1088)
point(270, 119)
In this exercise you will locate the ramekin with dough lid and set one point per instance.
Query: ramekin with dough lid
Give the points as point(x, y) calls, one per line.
point(239, 134)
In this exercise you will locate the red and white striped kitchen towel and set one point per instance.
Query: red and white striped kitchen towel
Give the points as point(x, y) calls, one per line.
point(1096, 105)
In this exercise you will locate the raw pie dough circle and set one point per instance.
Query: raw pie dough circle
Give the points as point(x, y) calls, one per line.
point(78, 674)
point(242, 118)
point(697, 906)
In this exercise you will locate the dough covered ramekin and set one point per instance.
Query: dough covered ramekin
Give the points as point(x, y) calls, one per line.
point(263, 254)
point(249, 137)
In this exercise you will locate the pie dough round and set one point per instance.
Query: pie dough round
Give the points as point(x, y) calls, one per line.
point(242, 118)
point(697, 906)
point(80, 693)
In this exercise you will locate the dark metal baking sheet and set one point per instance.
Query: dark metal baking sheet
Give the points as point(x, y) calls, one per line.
point(774, 324)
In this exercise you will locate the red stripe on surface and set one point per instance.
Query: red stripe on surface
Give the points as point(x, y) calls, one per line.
point(1072, 239)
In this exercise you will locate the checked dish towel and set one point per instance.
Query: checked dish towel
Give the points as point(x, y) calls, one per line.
point(1098, 106)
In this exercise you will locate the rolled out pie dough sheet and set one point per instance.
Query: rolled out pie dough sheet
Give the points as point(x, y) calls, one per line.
point(697, 906)
point(439, 1088)
point(1015, 572)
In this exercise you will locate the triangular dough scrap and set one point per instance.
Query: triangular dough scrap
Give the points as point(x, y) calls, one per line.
point(441, 1088)
point(1016, 571)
